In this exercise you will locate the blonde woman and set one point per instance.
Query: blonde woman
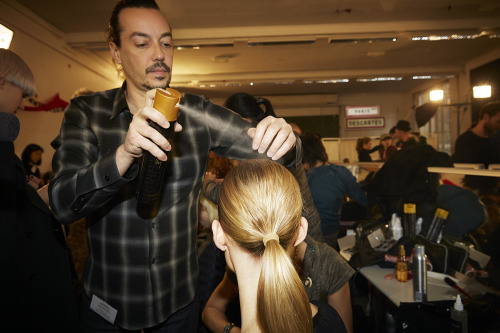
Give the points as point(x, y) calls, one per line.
point(259, 227)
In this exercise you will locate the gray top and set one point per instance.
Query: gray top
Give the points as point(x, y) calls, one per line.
point(324, 270)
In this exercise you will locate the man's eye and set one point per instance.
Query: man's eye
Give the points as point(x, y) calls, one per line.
point(142, 45)
point(167, 45)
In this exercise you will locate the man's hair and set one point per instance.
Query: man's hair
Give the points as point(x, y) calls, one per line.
point(403, 125)
point(491, 109)
point(114, 28)
point(15, 71)
point(313, 149)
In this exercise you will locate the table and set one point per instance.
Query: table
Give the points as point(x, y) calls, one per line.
point(402, 292)
point(463, 171)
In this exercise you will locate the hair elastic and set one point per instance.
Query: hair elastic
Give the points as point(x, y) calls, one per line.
point(268, 237)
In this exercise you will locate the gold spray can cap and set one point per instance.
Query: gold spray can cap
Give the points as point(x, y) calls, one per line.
point(444, 214)
point(167, 102)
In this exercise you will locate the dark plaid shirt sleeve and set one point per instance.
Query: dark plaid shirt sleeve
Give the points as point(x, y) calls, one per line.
point(84, 164)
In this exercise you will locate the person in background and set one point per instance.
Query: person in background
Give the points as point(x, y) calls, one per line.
point(466, 211)
point(386, 148)
point(481, 145)
point(35, 284)
point(145, 267)
point(406, 139)
point(46, 178)
point(395, 140)
point(32, 158)
point(392, 132)
point(421, 139)
point(249, 107)
point(259, 227)
point(328, 184)
point(364, 149)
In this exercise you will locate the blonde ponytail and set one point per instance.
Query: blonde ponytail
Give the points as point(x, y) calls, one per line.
point(282, 301)
point(260, 208)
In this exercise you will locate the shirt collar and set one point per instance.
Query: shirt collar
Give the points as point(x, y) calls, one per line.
point(120, 102)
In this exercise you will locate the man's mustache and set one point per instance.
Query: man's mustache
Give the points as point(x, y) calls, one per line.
point(158, 65)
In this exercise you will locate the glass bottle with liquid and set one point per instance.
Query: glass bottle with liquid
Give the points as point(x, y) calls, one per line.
point(402, 265)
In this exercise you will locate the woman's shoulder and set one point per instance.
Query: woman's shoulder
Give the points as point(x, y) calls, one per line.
point(327, 319)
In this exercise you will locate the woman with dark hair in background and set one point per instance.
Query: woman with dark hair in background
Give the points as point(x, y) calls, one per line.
point(328, 184)
point(364, 149)
point(249, 107)
point(32, 158)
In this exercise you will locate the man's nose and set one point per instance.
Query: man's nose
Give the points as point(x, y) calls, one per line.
point(158, 54)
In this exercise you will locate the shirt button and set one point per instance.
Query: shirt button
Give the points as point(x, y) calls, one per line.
point(153, 225)
point(153, 260)
point(107, 178)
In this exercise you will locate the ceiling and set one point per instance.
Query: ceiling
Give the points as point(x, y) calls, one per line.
point(268, 47)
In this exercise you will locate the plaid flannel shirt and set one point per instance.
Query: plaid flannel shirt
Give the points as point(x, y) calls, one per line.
point(146, 268)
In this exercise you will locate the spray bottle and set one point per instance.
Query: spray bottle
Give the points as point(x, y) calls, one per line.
point(458, 317)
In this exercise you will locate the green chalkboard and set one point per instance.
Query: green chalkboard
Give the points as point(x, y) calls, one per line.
point(325, 126)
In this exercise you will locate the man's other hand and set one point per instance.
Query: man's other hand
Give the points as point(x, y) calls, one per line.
point(274, 135)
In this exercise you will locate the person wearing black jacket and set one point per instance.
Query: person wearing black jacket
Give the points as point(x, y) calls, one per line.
point(364, 148)
point(36, 284)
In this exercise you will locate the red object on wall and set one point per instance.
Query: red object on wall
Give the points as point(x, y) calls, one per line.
point(56, 104)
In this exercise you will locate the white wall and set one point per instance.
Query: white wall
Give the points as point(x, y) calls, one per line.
point(57, 69)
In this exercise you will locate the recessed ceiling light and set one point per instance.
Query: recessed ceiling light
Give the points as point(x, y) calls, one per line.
point(378, 79)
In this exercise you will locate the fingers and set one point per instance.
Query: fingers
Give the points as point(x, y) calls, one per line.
point(285, 147)
point(274, 135)
point(142, 136)
point(148, 112)
point(150, 97)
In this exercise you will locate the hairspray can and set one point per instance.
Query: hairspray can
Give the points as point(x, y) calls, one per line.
point(152, 169)
point(419, 274)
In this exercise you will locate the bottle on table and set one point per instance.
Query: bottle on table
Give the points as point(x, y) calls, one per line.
point(458, 317)
point(409, 220)
point(419, 274)
point(402, 265)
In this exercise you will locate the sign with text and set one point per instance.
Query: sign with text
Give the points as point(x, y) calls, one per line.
point(362, 111)
point(360, 123)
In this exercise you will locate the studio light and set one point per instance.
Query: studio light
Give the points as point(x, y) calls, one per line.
point(5, 37)
point(482, 91)
point(436, 95)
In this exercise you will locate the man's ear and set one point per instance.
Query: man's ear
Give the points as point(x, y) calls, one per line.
point(115, 53)
point(301, 235)
point(219, 236)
